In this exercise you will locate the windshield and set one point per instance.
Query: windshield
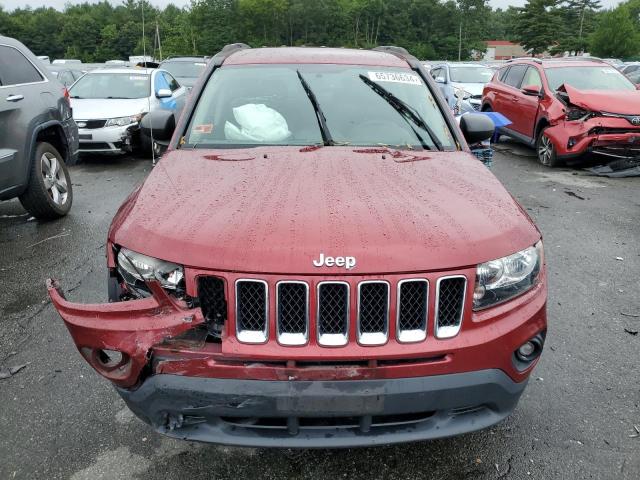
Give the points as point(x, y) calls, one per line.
point(112, 85)
point(588, 78)
point(309, 104)
point(470, 74)
point(184, 69)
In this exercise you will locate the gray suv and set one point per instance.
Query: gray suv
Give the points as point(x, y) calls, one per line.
point(38, 137)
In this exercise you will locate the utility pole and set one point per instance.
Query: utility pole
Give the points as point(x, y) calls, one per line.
point(158, 40)
point(460, 43)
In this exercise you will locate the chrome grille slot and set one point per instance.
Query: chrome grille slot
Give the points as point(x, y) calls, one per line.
point(413, 296)
point(252, 311)
point(333, 313)
point(450, 298)
point(373, 312)
point(292, 303)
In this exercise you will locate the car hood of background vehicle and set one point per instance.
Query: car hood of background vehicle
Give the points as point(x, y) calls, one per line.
point(99, 108)
point(236, 210)
point(625, 102)
point(473, 88)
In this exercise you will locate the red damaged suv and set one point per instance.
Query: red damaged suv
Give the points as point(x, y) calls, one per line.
point(317, 261)
point(567, 108)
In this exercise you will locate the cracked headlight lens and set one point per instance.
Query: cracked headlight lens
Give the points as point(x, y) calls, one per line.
point(135, 267)
point(123, 121)
point(505, 278)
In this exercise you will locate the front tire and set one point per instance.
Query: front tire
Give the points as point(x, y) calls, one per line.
point(546, 151)
point(49, 193)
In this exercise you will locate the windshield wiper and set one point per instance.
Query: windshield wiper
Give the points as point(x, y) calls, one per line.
point(322, 120)
point(75, 96)
point(405, 111)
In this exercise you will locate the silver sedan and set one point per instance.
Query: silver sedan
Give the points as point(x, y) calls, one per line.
point(109, 103)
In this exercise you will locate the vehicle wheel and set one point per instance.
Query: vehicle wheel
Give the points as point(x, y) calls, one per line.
point(49, 193)
point(546, 151)
point(145, 147)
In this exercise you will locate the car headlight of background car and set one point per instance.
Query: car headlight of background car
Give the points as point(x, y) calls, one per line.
point(136, 269)
point(123, 121)
point(507, 277)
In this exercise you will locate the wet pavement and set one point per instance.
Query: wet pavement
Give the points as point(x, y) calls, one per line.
point(576, 419)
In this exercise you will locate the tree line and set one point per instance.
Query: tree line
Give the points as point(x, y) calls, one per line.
point(430, 29)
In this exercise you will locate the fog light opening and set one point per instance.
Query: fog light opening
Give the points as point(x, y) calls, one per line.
point(529, 350)
point(109, 358)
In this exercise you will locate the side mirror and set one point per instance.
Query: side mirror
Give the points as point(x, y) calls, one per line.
point(476, 127)
point(163, 93)
point(532, 90)
point(158, 124)
point(440, 80)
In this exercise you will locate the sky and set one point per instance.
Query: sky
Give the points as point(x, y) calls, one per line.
point(59, 4)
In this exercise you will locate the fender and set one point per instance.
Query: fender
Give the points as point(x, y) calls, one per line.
point(31, 148)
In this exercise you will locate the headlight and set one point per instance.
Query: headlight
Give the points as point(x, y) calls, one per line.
point(123, 121)
point(502, 279)
point(136, 269)
point(578, 114)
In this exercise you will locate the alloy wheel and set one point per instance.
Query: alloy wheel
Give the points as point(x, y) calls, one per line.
point(545, 150)
point(54, 179)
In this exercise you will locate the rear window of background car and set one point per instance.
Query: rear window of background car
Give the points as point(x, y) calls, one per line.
point(15, 69)
point(514, 77)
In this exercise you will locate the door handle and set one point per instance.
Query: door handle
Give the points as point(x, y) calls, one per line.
point(14, 98)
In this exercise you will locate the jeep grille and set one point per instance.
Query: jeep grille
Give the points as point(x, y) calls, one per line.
point(450, 305)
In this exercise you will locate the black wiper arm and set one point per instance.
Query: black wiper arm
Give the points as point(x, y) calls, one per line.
point(405, 110)
point(322, 120)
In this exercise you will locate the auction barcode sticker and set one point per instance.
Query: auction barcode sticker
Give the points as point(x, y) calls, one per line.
point(395, 77)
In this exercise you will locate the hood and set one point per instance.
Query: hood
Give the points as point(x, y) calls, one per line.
point(238, 211)
point(473, 88)
point(99, 108)
point(625, 102)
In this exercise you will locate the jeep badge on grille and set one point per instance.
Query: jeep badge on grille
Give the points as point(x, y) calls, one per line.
point(347, 262)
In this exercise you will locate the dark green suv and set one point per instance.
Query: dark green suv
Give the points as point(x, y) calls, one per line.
point(38, 137)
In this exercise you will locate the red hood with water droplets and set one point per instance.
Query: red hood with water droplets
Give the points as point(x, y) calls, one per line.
point(237, 210)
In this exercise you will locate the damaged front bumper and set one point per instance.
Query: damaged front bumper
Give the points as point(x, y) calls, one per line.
point(607, 136)
point(327, 414)
point(188, 388)
point(115, 346)
point(117, 139)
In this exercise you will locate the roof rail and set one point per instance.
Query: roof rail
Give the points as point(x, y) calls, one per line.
point(227, 51)
point(581, 58)
point(401, 53)
point(533, 59)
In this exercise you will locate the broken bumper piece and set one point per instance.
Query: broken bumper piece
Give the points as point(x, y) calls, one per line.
point(329, 414)
point(116, 338)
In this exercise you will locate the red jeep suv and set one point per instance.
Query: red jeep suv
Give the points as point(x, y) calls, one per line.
point(317, 261)
point(567, 108)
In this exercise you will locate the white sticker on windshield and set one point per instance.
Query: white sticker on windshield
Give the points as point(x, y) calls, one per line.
point(137, 77)
point(199, 64)
point(395, 77)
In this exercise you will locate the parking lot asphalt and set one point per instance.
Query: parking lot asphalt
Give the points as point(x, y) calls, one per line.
point(576, 419)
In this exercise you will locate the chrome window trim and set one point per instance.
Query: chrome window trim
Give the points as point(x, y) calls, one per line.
point(372, 339)
point(44, 80)
point(451, 331)
point(411, 336)
point(333, 339)
point(252, 336)
point(292, 339)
